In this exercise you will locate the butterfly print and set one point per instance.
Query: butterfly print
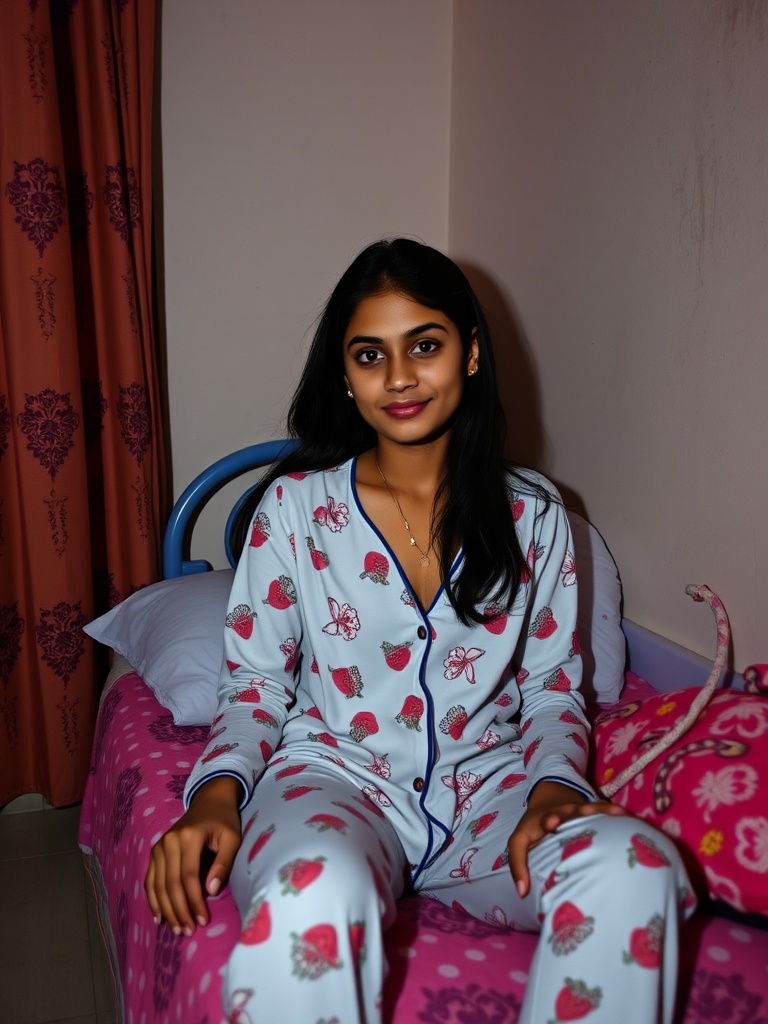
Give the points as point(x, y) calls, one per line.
point(344, 621)
point(534, 553)
point(488, 740)
point(463, 785)
point(236, 1010)
point(334, 516)
point(499, 918)
point(380, 766)
point(375, 794)
point(568, 571)
point(462, 871)
point(290, 649)
point(459, 662)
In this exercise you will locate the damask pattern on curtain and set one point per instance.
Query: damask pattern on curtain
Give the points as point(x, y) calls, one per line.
point(82, 475)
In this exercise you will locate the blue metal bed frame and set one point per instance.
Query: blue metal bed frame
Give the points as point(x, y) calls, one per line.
point(197, 493)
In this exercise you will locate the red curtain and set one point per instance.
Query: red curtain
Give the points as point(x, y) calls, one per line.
point(82, 475)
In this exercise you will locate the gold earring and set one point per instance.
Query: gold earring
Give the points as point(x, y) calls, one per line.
point(472, 371)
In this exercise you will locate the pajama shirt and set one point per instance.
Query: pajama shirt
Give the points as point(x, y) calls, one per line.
point(382, 746)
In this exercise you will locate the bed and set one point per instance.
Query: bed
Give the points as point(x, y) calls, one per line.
point(443, 966)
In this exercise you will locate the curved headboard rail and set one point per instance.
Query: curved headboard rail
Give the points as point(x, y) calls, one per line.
point(198, 492)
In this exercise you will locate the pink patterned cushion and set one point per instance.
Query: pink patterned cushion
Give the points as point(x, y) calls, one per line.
point(707, 790)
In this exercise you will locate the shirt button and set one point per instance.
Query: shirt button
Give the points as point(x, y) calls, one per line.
point(421, 633)
point(418, 784)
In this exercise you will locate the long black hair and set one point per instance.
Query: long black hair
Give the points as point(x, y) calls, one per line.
point(472, 506)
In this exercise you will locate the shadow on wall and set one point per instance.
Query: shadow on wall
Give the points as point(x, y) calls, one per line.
point(516, 372)
point(518, 379)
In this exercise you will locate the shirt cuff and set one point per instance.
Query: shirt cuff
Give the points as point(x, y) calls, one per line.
point(582, 787)
point(217, 775)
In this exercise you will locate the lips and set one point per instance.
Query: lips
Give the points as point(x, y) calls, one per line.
point(404, 410)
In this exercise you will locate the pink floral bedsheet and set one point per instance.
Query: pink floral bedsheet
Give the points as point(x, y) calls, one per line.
point(444, 967)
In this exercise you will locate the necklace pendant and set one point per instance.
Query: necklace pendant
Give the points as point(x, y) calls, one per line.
point(424, 559)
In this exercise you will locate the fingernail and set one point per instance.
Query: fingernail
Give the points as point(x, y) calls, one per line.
point(213, 886)
point(521, 890)
point(188, 931)
point(201, 920)
point(176, 930)
point(157, 919)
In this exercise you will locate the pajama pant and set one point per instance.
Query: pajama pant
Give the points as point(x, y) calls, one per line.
point(320, 870)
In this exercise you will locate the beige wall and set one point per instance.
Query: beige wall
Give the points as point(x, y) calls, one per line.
point(609, 174)
point(607, 194)
point(294, 132)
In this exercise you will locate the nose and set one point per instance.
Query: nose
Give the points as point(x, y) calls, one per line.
point(400, 374)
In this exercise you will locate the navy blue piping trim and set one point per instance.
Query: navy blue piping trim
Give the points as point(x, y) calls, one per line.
point(217, 775)
point(563, 782)
point(430, 762)
point(424, 615)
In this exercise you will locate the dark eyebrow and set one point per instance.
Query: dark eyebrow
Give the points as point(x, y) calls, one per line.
point(362, 339)
point(425, 327)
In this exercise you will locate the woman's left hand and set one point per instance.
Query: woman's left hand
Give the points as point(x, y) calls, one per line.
point(551, 804)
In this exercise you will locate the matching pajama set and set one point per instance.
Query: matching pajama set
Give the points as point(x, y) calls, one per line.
point(385, 748)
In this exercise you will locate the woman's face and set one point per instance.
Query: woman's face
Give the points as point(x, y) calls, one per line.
point(406, 367)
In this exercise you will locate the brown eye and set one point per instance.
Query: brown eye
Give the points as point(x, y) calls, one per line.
point(367, 356)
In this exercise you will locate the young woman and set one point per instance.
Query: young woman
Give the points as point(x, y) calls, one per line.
point(399, 707)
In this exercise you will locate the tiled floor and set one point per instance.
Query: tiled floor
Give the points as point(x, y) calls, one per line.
point(53, 967)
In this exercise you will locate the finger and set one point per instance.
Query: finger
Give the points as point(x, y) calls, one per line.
point(161, 892)
point(552, 820)
point(601, 807)
point(216, 879)
point(149, 889)
point(614, 809)
point(181, 877)
point(191, 891)
point(518, 846)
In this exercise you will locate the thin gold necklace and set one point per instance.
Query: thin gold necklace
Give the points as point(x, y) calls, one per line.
point(424, 560)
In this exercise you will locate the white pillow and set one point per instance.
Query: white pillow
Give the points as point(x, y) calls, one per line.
point(172, 634)
point(603, 647)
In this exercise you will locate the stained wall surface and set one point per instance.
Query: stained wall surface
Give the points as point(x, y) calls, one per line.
point(608, 183)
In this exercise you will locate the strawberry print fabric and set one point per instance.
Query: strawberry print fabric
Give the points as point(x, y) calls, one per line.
point(316, 879)
point(334, 674)
point(330, 661)
point(318, 874)
point(707, 791)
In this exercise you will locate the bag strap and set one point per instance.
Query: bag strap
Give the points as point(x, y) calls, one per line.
point(698, 593)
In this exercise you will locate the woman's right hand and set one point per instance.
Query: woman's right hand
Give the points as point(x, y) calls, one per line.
point(173, 884)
